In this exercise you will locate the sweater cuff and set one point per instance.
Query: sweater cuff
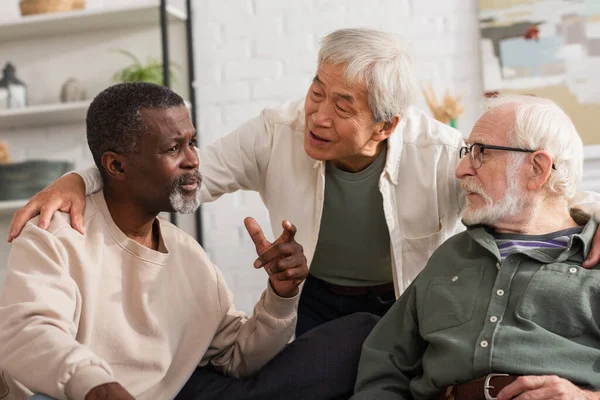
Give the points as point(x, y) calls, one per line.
point(85, 379)
point(279, 307)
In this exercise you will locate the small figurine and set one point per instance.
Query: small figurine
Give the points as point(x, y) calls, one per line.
point(72, 90)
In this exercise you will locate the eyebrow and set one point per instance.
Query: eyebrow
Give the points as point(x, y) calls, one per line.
point(346, 97)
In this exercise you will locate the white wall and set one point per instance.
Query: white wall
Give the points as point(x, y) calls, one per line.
point(255, 53)
point(249, 54)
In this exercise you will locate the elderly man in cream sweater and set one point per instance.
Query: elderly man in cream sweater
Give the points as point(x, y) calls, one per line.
point(133, 307)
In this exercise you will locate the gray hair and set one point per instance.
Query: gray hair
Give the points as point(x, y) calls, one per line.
point(379, 61)
point(540, 124)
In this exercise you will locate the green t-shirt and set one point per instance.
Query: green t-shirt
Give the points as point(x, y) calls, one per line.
point(354, 243)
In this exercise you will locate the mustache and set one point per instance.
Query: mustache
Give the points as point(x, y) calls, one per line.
point(470, 185)
point(188, 177)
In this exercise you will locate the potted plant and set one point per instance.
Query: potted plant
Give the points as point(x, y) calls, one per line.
point(151, 72)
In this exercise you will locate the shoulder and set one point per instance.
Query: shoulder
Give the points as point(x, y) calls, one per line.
point(289, 113)
point(445, 256)
point(60, 224)
point(420, 129)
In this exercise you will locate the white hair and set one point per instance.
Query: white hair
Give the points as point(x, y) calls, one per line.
point(379, 61)
point(540, 124)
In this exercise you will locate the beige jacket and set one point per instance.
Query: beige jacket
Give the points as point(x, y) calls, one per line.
point(79, 311)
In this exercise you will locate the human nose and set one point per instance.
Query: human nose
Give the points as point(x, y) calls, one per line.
point(465, 167)
point(321, 117)
point(191, 160)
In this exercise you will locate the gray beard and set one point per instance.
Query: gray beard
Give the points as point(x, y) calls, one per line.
point(181, 203)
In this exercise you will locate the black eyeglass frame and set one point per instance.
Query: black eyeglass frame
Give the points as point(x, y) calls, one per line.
point(463, 151)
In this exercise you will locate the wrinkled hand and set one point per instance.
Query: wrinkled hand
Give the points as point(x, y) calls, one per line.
point(283, 259)
point(109, 391)
point(594, 257)
point(544, 388)
point(67, 194)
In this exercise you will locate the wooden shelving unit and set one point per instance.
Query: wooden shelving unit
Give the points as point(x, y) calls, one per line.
point(57, 24)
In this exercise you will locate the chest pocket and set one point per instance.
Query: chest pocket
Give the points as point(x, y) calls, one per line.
point(450, 300)
point(563, 298)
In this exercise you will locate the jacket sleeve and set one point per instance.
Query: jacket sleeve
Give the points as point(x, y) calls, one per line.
point(39, 306)
point(392, 353)
point(91, 179)
point(238, 160)
point(242, 345)
point(457, 198)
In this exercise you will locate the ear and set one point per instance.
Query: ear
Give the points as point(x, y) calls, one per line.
point(114, 165)
point(541, 168)
point(385, 129)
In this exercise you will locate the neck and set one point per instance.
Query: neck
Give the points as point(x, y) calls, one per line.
point(540, 217)
point(131, 219)
point(359, 162)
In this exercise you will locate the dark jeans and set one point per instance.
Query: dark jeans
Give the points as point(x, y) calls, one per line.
point(318, 305)
point(320, 365)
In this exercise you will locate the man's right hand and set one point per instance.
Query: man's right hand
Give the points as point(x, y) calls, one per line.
point(109, 391)
point(67, 194)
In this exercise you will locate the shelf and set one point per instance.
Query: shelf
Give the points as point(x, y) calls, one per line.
point(8, 208)
point(43, 115)
point(114, 18)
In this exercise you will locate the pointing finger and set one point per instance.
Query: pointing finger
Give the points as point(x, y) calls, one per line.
point(257, 235)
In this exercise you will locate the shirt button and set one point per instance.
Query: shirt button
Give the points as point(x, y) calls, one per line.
point(500, 292)
point(455, 279)
point(483, 343)
point(314, 238)
point(498, 265)
point(493, 319)
point(573, 270)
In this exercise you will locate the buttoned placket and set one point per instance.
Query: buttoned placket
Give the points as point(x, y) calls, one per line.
point(484, 345)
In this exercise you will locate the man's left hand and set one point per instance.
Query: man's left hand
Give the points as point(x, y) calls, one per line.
point(594, 257)
point(283, 259)
point(544, 388)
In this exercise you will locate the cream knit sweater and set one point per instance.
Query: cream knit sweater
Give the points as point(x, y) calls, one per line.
point(79, 311)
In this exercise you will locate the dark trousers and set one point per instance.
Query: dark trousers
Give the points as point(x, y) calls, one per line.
point(319, 305)
point(320, 365)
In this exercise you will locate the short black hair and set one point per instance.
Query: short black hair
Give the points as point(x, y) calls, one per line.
point(114, 122)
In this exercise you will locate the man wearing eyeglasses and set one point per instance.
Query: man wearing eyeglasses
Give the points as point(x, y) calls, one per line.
point(504, 310)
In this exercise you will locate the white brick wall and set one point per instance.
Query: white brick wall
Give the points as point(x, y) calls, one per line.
point(250, 54)
point(256, 53)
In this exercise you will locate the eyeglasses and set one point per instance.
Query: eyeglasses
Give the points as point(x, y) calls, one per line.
point(476, 150)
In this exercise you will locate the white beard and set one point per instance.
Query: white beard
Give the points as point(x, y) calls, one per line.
point(510, 205)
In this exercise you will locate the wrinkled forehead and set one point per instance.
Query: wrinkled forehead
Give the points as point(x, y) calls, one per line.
point(494, 126)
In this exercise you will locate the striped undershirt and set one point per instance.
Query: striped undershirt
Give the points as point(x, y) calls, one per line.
point(514, 243)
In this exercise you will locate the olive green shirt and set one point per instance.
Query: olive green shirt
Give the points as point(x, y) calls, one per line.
point(354, 241)
point(469, 314)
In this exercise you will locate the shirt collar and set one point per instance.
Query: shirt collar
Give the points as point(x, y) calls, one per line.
point(577, 250)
